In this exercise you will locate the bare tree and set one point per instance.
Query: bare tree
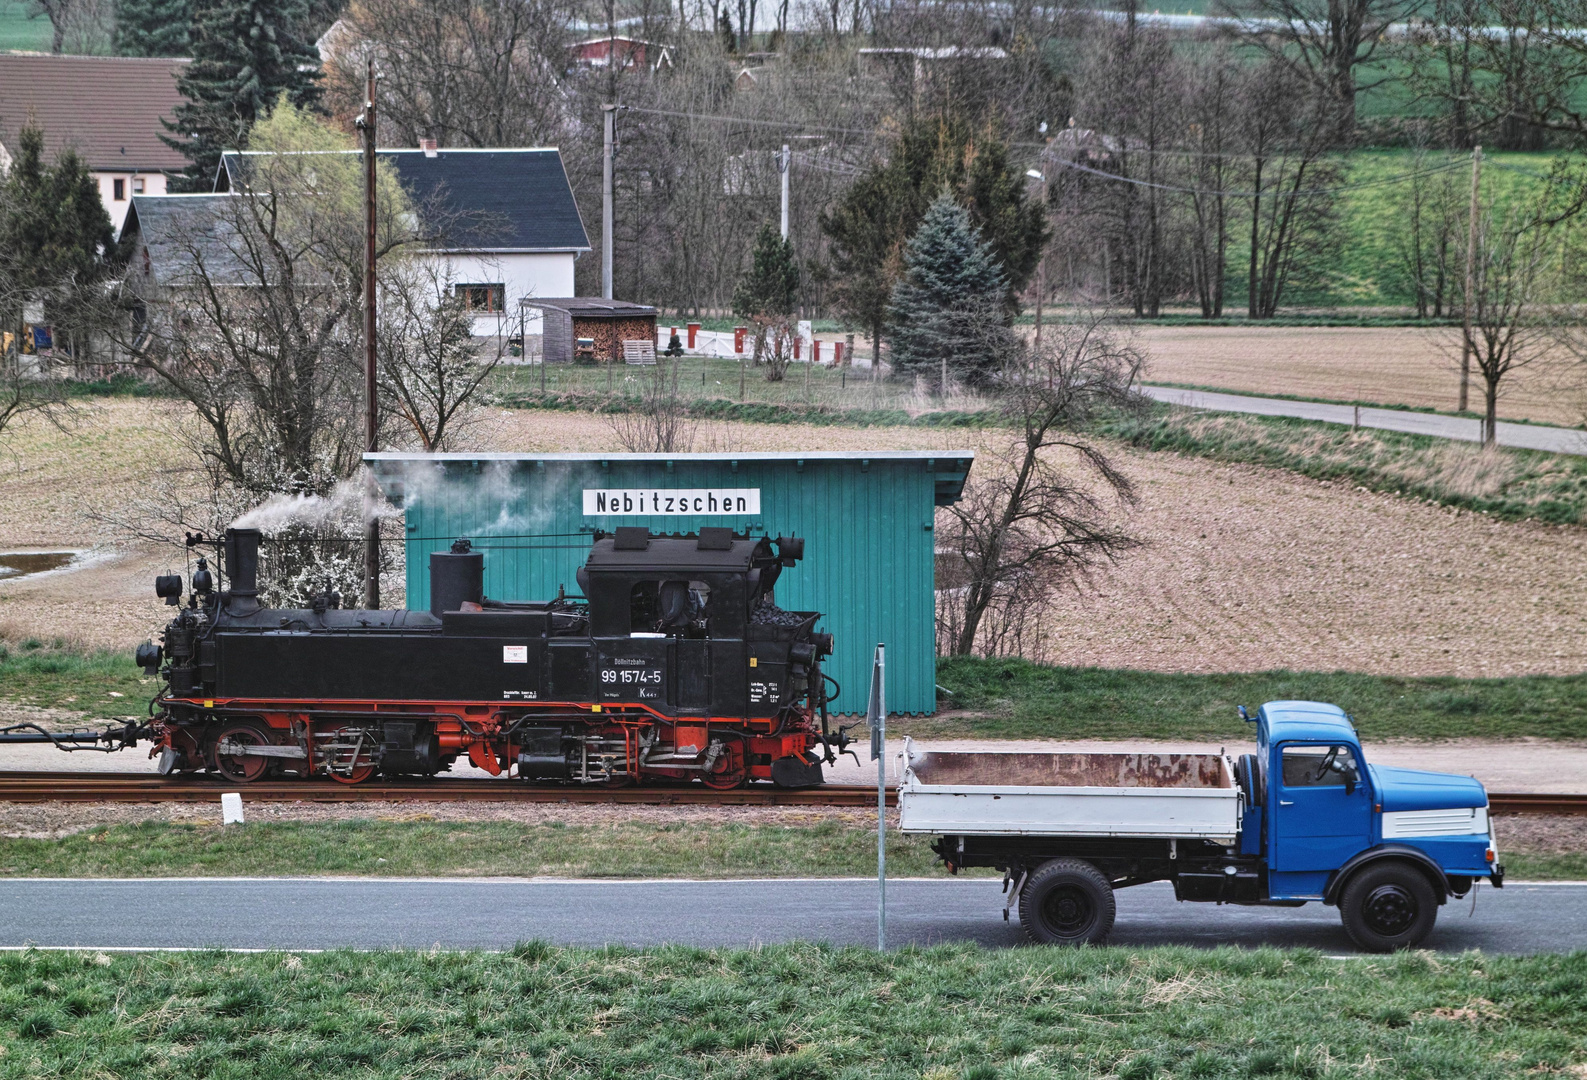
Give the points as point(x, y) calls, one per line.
point(431, 367)
point(77, 26)
point(1323, 45)
point(1033, 521)
point(1519, 269)
point(472, 73)
point(657, 421)
point(1427, 232)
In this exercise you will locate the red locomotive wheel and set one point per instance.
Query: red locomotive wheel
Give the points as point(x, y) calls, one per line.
point(240, 768)
point(729, 772)
point(359, 774)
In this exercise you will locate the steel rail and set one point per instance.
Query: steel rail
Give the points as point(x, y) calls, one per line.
point(43, 787)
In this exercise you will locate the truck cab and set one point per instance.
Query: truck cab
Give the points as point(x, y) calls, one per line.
point(1304, 818)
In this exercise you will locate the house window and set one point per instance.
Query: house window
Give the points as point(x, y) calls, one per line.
point(137, 185)
point(489, 299)
point(119, 190)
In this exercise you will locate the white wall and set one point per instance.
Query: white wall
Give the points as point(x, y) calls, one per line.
point(542, 274)
point(153, 184)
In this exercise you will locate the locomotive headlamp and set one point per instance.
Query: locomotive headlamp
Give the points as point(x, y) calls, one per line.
point(822, 643)
point(148, 658)
point(790, 549)
point(169, 588)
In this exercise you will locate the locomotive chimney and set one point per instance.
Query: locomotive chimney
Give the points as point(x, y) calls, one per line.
point(242, 568)
point(456, 577)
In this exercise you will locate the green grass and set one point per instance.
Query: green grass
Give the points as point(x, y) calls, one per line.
point(17, 31)
point(54, 676)
point(809, 846)
point(1015, 699)
point(791, 1011)
point(1504, 482)
point(676, 848)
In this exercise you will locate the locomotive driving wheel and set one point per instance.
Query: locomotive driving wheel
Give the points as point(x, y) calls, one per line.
point(729, 771)
point(238, 767)
point(350, 758)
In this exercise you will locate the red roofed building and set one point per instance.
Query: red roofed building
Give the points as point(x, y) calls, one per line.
point(107, 108)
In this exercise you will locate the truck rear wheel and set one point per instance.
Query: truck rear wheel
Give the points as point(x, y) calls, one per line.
point(1067, 902)
point(1388, 906)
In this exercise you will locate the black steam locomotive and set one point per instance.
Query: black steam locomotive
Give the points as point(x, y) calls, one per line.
point(677, 665)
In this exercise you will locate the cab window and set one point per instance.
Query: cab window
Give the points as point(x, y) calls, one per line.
point(1318, 766)
point(669, 606)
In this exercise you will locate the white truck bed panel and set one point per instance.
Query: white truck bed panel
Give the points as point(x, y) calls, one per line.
point(1174, 796)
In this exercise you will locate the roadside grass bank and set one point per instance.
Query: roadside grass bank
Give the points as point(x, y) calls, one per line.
point(792, 1011)
point(98, 683)
point(1504, 482)
point(653, 845)
point(674, 848)
point(1016, 699)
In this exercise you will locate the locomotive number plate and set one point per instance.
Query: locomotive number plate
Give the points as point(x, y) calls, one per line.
point(631, 677)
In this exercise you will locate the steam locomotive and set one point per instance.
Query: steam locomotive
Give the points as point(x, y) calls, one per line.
point(677, 664)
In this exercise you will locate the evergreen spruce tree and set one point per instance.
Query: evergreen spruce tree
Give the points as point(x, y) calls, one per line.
point(948, 309)
point(153, 27)
point(54, 229)
point(246, 54)
point(772, 285)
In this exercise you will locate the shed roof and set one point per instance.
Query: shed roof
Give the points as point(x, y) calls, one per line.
point(508, 200)
point(108, 108)
point(590, 307)
point(180, 231)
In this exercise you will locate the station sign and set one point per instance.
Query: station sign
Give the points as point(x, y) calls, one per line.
point(651, 502)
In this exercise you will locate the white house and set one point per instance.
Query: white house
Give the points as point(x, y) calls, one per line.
point(107, 108)
point(516, 229)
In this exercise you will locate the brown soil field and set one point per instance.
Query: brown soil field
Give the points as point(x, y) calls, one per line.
point(1393, 366)
point(1244, 569)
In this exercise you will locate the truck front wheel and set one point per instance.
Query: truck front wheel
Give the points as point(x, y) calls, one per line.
point(1388, 906)
point(1067, 902)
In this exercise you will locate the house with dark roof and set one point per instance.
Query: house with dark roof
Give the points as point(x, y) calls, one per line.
point(511, 227)
point(107, 108)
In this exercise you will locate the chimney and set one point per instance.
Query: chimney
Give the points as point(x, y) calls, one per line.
point(428, 146)
point(241, 551)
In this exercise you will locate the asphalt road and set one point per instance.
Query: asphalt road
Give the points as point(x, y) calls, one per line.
point(321, 913)
point(1524, 436)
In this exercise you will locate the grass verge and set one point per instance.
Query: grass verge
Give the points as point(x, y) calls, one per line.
point(1015, 699)
point(675, 848)
point(102, 683)
point(679, 847)
point(792, 1011)
point(1506, 483)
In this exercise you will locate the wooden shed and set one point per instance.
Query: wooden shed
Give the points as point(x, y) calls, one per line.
point(607, 323)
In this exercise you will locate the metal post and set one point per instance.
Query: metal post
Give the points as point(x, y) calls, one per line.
point(1471, 260)
point(878, 723)
point(1041, 264)
point(372, 527)
point(608, 115)
point(784, 161)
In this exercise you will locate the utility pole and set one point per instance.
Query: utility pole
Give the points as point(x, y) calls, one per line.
point(1041, 264)
point(366, 123)
point(609, 114)
point(1471, 279)
point(784, 162)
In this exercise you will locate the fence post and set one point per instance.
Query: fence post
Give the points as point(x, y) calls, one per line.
point(878, 723)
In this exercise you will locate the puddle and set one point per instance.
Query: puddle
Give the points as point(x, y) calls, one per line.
point(21, 564)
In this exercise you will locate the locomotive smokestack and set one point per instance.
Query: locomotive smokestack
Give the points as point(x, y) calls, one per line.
point(242, 568)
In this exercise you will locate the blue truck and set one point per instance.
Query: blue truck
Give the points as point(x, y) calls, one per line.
point(1305, 818)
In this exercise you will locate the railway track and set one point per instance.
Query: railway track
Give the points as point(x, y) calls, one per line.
point(43, 787)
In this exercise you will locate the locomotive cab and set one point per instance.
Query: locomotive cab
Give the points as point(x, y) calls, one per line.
point(689, 624)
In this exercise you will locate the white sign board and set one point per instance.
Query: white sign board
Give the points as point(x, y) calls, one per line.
point(650, 502)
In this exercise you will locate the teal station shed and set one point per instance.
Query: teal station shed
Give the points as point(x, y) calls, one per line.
point(867, 521)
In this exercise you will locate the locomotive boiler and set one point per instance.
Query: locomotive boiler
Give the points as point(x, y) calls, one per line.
point(676, 664)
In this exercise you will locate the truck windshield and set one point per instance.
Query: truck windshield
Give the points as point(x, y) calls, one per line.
point(1318, 766)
